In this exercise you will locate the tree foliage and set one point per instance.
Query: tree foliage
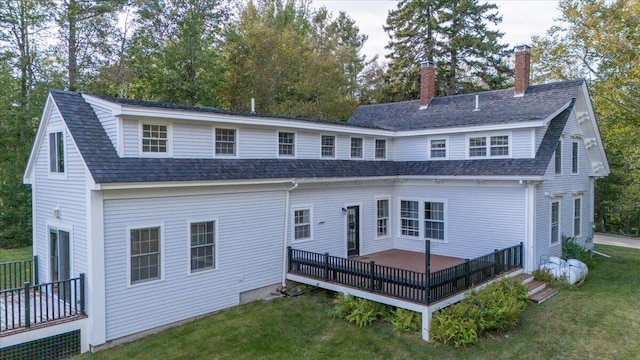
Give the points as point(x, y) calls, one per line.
point(598, 40)
point(456, 36)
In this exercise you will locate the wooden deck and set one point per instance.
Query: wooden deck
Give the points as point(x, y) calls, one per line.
point(44, 307)
point(410, 260)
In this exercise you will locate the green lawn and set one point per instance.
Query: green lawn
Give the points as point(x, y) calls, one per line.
point(15, 254)
point(597, 320)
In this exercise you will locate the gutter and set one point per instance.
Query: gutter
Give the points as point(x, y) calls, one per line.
point(286, 231)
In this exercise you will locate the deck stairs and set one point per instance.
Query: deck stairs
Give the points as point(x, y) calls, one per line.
point(537, 291)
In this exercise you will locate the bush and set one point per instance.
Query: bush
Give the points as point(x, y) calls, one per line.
point(545, 276)
point(406, 321)
point(361, 312)
point(496, 307)
point(572, 250)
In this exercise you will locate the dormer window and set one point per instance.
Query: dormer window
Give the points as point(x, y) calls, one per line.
point(438, 149)
point(356, 148)
point(381, 149)
point(488, 146)
point(286, 144)
point(328, 146)
point(225, 142)
point(155, 139)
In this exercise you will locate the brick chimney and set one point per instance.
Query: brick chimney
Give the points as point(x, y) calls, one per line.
point(427, 83)
point(523, 69)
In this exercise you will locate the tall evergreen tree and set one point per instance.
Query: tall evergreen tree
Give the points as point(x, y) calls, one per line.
point(455, 35)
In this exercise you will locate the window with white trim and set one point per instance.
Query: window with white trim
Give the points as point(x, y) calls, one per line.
point(328, 146)
point(225, 142)
point(381, 149)
point(356, 148)
point(154, 138)
point(577, 216)
point(202, 247)
point(500, 145)
point(56, 152)
point(555, 222)
point(558, 158)
point(477, 146)
point(409, 218)
point(434, 220)
point(382, 218)
point(286, 144)
point(145, 254)
point(302, 224)
point(574, 157)
point(438, 148)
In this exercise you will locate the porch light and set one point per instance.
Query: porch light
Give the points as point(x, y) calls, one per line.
point(56, 212)
point(344, 211)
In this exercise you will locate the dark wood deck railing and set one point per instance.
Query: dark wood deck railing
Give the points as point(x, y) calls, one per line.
point(29, 305)
point(409, 285)
point(14, 274)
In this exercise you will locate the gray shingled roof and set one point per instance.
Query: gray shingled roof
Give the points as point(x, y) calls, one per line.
point(495, 107)
point(106, 167)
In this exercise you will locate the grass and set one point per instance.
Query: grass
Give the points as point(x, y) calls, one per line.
point(12, 276)
point(7, 255)
point(597, 320)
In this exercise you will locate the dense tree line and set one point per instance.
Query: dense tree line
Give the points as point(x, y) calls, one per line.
point(294, 59)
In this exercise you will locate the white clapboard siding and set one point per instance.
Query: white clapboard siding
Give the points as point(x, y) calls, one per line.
point(257, 143)
point(192, 141)
point(250, 255)
point(131, 138)
point(411, 148)
point(521, 143)
point(109, 123)
point(478, 219)
point(66, 194)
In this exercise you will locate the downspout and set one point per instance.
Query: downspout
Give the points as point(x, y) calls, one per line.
point(286, 231)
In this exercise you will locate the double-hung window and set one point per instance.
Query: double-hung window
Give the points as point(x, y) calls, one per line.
point(438, 149)
point(434, 220)
point(202, 247)
point(478, 146)
point(500, 145)
point(555, 222)
point(226, 142)
point(409, 218)
point(356, 148)
point(381, 149)
point(56, 152)
point(302, 224)
point(154, 138)
point(328, 146)
point(577, 216)
point(382, 218)
point(286, 144)
point(145, 254)
point(489, 146)
point(574, 157)
point(558, 158)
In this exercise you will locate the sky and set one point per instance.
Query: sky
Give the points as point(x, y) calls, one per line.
point(521, 19)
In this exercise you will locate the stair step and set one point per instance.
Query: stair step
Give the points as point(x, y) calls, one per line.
point(523, 278)
point(534, 287)
point(543, 295)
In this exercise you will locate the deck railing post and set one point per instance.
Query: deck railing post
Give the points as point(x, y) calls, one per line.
point(467, 273)
point(497, 261)
point(35, 270)
point(372, 275)
point(427, 271)
point(521, 254)
point(27, 305)
point(289, 257)
point(82, 300)
point(326, 266)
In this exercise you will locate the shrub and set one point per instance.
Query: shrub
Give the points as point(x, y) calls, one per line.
point(545, 276)
point(572, 250)
point(343, 305)
point(496, 307)
point(406, 321)
point(361, 312)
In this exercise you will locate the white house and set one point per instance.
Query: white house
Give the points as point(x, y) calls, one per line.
point(177, 211)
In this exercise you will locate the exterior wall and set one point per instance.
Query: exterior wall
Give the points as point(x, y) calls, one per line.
point(564, 188)
point(471, 216)
point(109, 123)
point(329, 222)
point(249, 244)
point(192, 141)
point(67, 194)
point(130, 138)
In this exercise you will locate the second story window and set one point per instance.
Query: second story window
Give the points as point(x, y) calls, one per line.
point(286, 144)
point(381, 149)
point(574, 157)
point(558, 159)
point(56, 152)
point(500, 145)
point(328, 146)
point(356, 148)
point(154, 138)
point(489, 146)
point(477, 146)
point(438, 149)
point(226, 142)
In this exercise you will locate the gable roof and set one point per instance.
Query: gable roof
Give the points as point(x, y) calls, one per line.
point(107, 167)
point(495, 107)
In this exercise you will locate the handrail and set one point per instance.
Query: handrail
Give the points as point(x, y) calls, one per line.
point(13, 274)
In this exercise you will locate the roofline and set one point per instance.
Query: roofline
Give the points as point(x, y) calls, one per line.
point(315, 180)
point(465, 129)
point(587, 96)
point(556, 113)
point(27, 178)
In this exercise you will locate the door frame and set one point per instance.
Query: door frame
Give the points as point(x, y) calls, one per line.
point(346, 228)
point(58, 227)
